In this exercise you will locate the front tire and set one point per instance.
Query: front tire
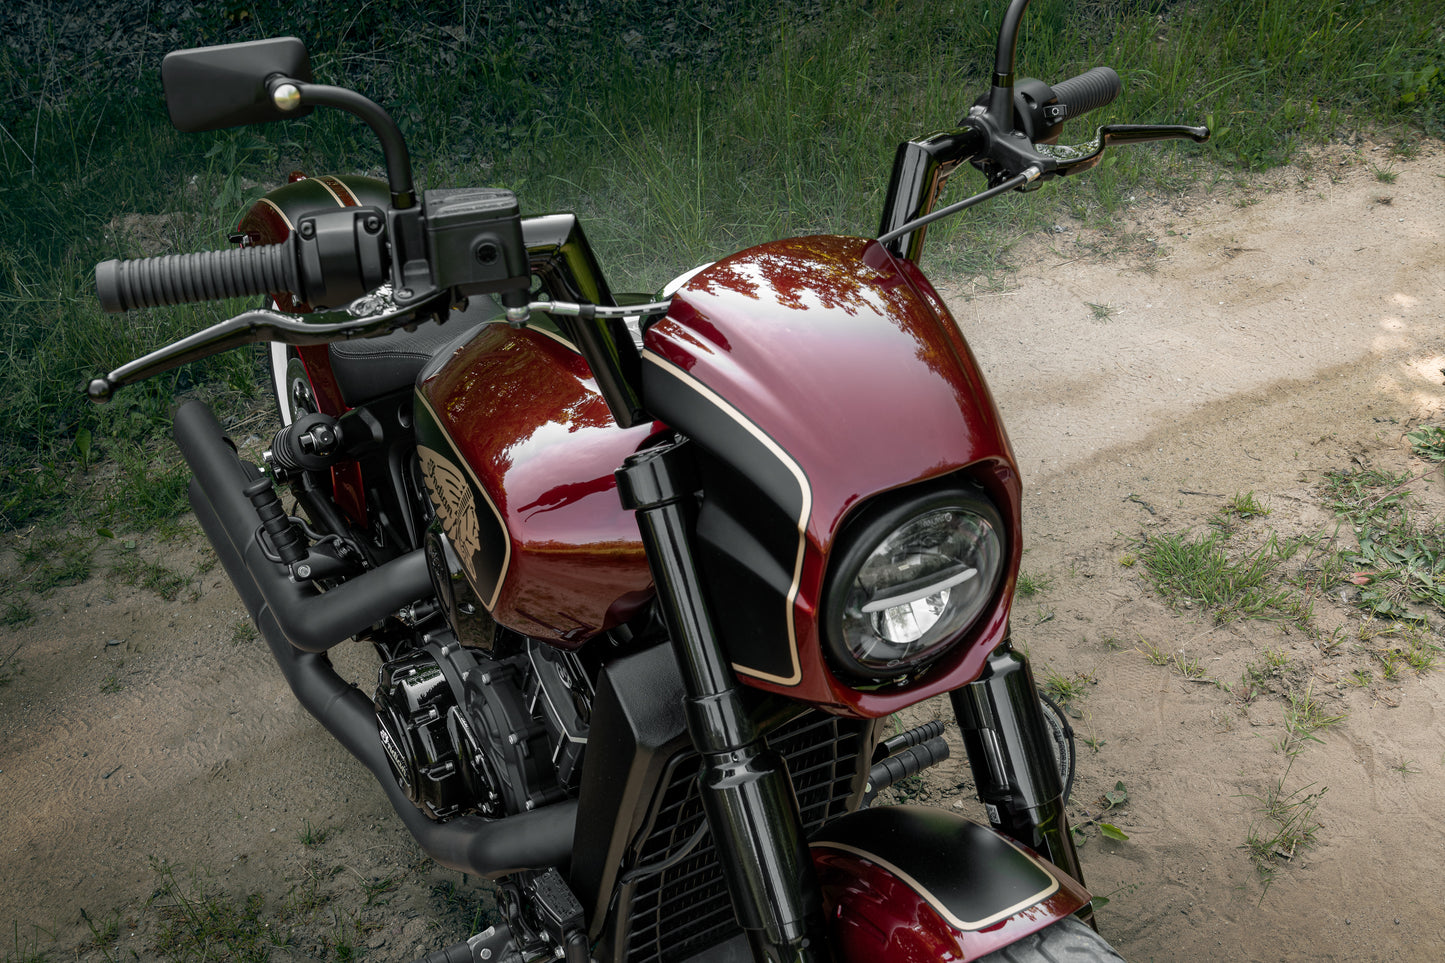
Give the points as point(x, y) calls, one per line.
point(1070, 940)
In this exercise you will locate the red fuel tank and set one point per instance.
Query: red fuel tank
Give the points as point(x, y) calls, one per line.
point(518, 449)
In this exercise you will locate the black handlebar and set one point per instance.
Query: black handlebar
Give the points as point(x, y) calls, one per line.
point(184, 278)
point(1089, 91)
point(332, 258)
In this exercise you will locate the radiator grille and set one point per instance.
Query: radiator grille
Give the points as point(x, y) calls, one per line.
point(685, 909)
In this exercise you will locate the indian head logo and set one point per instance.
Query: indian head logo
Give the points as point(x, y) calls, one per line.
point(455, 505)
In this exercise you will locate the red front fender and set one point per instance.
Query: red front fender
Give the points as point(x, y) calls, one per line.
point(910, 883)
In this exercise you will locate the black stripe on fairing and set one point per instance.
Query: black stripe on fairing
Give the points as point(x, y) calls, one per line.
point(682, 401)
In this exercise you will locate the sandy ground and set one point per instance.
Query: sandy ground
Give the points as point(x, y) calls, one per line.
point(153, 764)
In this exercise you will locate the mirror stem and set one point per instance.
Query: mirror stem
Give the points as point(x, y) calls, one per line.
point(1001, 97)
point(393, 145)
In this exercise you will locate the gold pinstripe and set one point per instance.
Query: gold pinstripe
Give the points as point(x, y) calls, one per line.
point(507, 535)
point(934, 901)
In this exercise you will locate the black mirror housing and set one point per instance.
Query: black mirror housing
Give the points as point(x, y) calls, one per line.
point(208, 88)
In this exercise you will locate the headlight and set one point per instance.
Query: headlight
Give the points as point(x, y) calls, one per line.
point(910, 582)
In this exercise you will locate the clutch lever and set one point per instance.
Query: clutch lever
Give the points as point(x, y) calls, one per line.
point(369, 317)
point(1070, 159)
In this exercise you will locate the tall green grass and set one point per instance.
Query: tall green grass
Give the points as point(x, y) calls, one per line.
point(679, 132)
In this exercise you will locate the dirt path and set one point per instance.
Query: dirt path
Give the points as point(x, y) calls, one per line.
point(1254, 348)
point(1234, 347)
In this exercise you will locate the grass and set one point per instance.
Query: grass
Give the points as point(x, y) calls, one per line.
point(1284, 824)
point(1030, 585)
point(201, 925)
point(1208, 571)
point(153, 576)
point(1305, 715)
point(47, 562)
point(311, 835)
point(9, 667)
point(1400, 646)
point(1152, 653)
point(1385, 175)
point(1243, 506)
point(1066, 689)
point(1398, 560)
point(677, 135)
point(16, 613)
point(1268, 674)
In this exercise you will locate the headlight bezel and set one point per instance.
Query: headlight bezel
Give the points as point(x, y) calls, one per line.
point(875, 524)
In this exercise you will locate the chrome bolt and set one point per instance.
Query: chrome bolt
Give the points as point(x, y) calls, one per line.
point(286, 97)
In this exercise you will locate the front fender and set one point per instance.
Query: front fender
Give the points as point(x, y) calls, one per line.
point(911, 883)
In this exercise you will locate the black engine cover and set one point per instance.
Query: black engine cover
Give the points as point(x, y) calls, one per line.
point(462, 734)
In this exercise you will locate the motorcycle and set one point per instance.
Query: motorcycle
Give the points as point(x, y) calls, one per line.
point(644, 577)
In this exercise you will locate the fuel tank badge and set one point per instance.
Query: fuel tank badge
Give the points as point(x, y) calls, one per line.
point(456, 506)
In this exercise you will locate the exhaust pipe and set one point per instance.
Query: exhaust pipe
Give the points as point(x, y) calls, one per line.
point(300, 623)
point(310, 620)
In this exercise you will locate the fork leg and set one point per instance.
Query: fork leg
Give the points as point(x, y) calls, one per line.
point(1009, 748)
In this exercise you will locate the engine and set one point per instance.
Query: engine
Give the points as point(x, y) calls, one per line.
point(466, 732)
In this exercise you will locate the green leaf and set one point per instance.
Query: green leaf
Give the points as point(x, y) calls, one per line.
point(1117, 796)
point(1113, 832)
point(105, 533)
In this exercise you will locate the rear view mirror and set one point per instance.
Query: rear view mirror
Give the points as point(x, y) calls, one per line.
point(212, 87)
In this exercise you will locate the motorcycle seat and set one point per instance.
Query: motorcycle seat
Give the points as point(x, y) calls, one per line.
point(369, 368)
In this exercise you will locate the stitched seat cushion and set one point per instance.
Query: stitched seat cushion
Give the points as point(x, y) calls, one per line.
point(369, 368)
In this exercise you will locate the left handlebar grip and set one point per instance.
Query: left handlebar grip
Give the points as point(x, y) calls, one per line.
point(207, 276)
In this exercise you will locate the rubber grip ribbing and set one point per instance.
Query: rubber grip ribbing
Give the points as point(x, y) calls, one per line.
point(1089, 91)
point(901, 765)
point(208, 276)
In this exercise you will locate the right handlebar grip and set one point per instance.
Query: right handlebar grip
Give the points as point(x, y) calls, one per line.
point(1089, 91)
point(208, 276)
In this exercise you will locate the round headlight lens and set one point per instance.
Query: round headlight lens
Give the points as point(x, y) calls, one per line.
point(922, 584)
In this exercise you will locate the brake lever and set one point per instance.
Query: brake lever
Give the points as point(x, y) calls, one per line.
point(1070, 159)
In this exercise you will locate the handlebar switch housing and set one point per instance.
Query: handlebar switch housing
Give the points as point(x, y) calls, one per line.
point(1037, 113)
point(474, 243)
point(340, 255)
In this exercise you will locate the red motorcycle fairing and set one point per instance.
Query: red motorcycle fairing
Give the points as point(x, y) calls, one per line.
point(817, 373)
point(904, 883)
point(517, 450)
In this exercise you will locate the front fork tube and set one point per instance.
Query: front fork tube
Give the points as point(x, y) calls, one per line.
point(1010, 751)
point(746, 793)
